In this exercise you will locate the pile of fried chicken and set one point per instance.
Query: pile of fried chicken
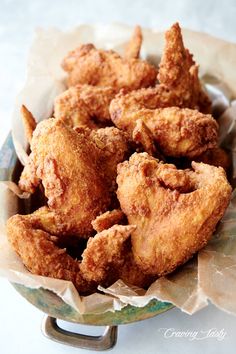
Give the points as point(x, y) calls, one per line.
point(129, 164)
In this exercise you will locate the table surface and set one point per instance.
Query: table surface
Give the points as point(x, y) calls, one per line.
point(208, 331)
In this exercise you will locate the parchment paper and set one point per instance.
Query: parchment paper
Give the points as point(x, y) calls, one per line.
point(211, 275)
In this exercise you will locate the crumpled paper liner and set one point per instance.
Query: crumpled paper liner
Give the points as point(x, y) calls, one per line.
point(210, 276)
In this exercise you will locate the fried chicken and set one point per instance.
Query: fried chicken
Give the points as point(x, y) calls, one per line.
point(103, 251)
point(171, 213)
point(88, 65)
point(126, 269)
point(108, 219)
point(41, 255)
point(29, 122)
point(175, 211)
point(134, 45)
point(143, 136)
point(177, 132)
point(179, 84)
point(131, 274)
point(112, 148)
point(66, 162)
point(178, 74)
point(84, 105)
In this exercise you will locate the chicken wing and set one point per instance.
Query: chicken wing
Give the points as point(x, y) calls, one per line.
point(29, 122)
point(66, 162)
point(88, 65)
point(126, 269)
point(177, 132)
point(112, 148)
point(134, 45)
point(179, 84)
point(178, 73)
point(41, 255)
point(103, 251)
point(84, 105)
point(108, 219)
point(175, 211)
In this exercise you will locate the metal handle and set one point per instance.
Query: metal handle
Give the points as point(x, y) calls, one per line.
point(105, 341)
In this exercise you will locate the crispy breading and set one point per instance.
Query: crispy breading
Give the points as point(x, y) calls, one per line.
point(89, 65)
point(134, 46)
point(113, 147)
point(103, 251)
point(142, 135)
point(41, 255)
point(132, 274)
point(177, 132)
point(175, 211)
point(179, 84)
point(108, 219)
point(29, 122)
point(178, 73)
point(66, 162)
point(84, 105)
point(126, 269)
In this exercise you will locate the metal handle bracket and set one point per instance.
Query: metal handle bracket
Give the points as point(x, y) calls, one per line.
point(105, 341)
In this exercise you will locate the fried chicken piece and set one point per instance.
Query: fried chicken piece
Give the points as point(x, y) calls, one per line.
point(179, 84)
point(175, 211)
point(134, 45)
point(126, 269)
point(113, 148)
point(28, 122)
point(88, 65)
point(131, 274)
point(178, 73)
point(177, 132)
point(67, 164)
point(81, 105)
point(103, 251)
point(143, 136)
point(28, 180)
point(41, 255)
point(216, 157)
point(108, 219)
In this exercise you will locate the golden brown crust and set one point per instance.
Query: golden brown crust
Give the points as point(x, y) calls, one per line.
point(88, 65)
point(113, 147)
point(132, 274)
point(108, 219)
point(28, 122)
point(28, 180)
point(103, 251)
point(175, 211)
point(178, 132)
point(83, 105)
point(179, 84)
point(178, 73)
point(142, 135)
point(134, 46)
point(74, 183)
point(41, 255)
